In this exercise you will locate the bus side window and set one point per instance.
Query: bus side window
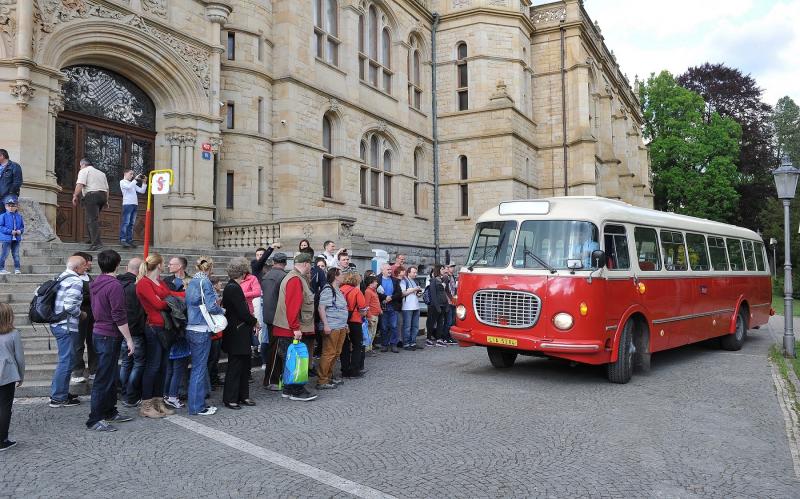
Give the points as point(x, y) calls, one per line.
point(698, 254)
point(674, 250)
point(749, 256)
point(719, 259)
point(760, 257)
point(616, 244)
point(647, 252)
point(735, 254)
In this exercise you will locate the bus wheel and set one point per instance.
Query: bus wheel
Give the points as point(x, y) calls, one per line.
point(622, 370)
point(501, 358)
point(735, 341)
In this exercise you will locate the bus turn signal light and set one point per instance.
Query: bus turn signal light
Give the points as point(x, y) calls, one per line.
point(584, 309)
point(642, 288)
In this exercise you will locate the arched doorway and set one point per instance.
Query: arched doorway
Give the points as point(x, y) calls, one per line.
point(110, 121)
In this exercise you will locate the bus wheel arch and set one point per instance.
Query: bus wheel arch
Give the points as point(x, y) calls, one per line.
point(621, 369)
point(735, 339)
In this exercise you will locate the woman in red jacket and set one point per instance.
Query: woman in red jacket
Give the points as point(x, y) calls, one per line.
point(352, 357)
point(152, 292)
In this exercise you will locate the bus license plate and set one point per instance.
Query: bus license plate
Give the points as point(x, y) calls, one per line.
point(501, 341)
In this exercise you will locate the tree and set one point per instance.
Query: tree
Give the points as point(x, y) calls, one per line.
point(787, 128)
point(732, 94)
point(692, 151)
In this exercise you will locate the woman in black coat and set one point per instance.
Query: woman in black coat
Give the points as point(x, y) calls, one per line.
point(236, 338)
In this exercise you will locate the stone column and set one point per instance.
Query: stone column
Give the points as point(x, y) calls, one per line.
point(188, 141)
point(174, 140)
point(56, 106)
point(217, 12)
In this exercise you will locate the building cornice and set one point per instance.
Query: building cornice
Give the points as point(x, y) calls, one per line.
point(488, 11)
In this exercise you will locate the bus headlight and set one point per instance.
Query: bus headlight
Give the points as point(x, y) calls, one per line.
point(563, 321)
point(461, 312)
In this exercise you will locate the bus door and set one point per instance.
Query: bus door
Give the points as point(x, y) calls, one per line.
point(703, 295)
point(654, 296)
point(621, 289)
point(677, 291)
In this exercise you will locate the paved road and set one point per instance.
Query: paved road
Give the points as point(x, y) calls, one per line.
point(443, 423)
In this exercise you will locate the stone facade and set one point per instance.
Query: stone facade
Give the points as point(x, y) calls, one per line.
point(320, 132)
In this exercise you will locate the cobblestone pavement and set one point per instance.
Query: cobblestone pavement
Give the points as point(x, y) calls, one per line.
point(443, 423)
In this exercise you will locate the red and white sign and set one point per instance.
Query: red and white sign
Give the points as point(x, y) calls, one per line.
point(160, 183)
point(206, 147)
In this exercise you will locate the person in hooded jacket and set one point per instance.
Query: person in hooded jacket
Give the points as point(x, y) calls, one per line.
point(132, 367)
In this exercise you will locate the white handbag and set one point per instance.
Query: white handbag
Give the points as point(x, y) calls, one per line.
point(217, 322)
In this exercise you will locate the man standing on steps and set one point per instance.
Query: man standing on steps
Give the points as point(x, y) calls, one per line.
point(130, 203)
point(85, 326)
point(68, 299)
point(111, 319)
point(93, 185)
point(10, 177)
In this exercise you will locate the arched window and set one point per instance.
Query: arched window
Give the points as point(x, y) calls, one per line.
point(326, 30)
point(375, 65)
point(462, 77)
point(327, 158)
point(463, 192)
point(414, 74)
point(379, 167)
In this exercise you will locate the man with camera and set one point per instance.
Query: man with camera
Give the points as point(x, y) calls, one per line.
point(130, 186)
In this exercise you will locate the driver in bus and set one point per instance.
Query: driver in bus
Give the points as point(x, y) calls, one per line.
point(585, 246)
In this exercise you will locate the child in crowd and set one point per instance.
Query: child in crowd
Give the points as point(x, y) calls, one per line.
point(374, 305)
point(11, 229)
point(12, 370)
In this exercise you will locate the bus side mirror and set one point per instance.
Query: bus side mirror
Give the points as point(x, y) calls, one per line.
point(598, 259)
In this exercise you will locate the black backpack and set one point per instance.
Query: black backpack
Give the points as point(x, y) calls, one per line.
point(43, 304)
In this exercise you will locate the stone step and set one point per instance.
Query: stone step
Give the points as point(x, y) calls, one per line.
point(41, 388)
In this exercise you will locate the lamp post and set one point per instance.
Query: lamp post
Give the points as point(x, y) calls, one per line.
point(786, 184)
point(773, 243)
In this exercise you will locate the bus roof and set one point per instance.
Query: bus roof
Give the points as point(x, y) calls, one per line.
point(599, 210)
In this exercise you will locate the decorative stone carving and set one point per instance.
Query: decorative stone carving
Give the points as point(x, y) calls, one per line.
point(37, 228)
point(23, 90)
point(553, 15)
point(8, 24)
point(308, 230)
point(174, 138)
point(218, 12)
point(188, 139)
point(499, 3)
point(55, 12)
point(56, 104)
point(346, 230)
point(334, 105)
point(155, 7)
point(460, 4)
point(382, 126)
point(216, 143)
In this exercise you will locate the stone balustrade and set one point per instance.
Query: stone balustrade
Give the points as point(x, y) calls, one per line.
point(246, 236)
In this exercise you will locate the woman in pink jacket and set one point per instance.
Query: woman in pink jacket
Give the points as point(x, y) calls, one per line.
point(252, 294)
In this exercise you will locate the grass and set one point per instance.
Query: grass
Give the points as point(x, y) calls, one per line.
point(777, 304)
point(776, 356)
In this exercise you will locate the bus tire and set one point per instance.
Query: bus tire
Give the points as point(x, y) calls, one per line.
point(621, 370)
point(735, 340)
point(501, 358)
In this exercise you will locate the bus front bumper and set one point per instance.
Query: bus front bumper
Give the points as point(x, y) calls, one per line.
point(469, 337)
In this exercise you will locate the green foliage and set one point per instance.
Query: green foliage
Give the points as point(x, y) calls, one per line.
point(787, 128)
point(692, 153)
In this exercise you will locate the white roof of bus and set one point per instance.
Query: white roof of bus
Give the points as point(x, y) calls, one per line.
point(597, 210)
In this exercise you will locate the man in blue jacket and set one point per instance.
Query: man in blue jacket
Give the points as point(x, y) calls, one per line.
point(11, 229)
point(10, 177)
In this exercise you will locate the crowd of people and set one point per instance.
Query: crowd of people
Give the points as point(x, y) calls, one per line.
point(153, 334)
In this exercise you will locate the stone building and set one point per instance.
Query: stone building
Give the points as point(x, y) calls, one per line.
point(285, 119)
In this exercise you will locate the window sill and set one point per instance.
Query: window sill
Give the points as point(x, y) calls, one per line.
point(458, 219)
point(414, 109)
point(332, 200)
point(331, 66)
point(376, 89)
point(379, 208)
point(418, 217)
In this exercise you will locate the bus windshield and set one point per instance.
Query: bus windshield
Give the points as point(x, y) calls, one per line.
point(492, 244)
point(555, 242)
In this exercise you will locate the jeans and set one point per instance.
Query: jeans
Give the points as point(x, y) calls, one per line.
point(131, 369)
point(388, 327)
point(450, 320)
point(65, 340)
point(127, 222)
point(176, 370)
point(155, 364)
point(84, 341)
point(213, 361)
point(93, 203)
point(104, 388)
point(410, 327)
point(199, 345)
point(13, 247)
point(6, 401)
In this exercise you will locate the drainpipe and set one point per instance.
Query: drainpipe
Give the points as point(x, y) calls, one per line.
point(435, 140)
point(564, 107)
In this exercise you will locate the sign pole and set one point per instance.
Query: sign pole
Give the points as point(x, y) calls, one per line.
point(148, 217)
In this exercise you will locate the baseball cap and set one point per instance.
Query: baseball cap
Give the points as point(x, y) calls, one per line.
point(10, 199)
point(279, 257)
point(301, 258)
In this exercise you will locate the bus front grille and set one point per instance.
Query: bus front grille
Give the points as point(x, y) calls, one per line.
point(502, 308)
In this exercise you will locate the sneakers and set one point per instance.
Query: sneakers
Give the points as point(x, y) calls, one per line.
point(441, 343)
point(263, 367)
point(124, 244)
point(337, 381)
point(173, 402)
point(4, 272)
point(77, 379)
point(394, 349)
point(17, 271)
point(326, 386)
point(7, 445)
point(65, 403)
point(305, 396)
point(127, 404)
point(102, 426)
point(208, 411)
point(285, 394)
point(430, 342)
point(273, 387)
point(384, 349)
point(91, 377)
point(451, 341)
point(118, 418)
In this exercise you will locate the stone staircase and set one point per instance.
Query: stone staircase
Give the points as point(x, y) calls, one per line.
point(41, 261)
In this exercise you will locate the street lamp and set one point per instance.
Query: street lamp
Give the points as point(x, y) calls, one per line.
point(786, 184)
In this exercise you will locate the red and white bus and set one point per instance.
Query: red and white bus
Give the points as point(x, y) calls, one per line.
point(599, 281)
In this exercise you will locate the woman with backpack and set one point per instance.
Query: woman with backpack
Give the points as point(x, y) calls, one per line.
point(411, 292)
point(333, 316)
point(353, 349)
